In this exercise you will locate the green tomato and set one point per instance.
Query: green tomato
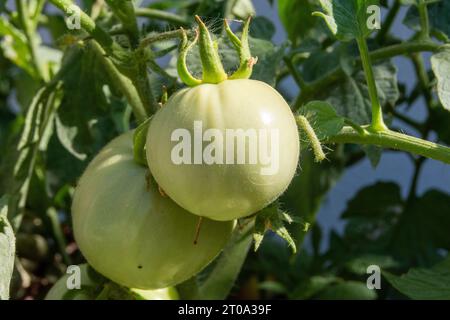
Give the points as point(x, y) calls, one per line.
point(90, 287)
point(210, 184)
point(132, 234)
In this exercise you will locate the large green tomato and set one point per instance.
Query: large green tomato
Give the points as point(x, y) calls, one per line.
point(132, 234)
point(221, 177)
point(90, 288)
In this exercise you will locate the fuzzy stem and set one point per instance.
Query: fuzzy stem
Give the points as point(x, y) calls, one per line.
point(393, 140)
point(305, 126)
point(163, 15)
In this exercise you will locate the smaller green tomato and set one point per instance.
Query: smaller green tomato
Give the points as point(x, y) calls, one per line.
point(132, 234)
point(91, 287)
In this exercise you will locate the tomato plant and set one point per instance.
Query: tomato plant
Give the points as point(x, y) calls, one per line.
point(288, 149)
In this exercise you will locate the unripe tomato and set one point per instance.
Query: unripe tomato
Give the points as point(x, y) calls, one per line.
point(231, 188)
point(132, 234)
point(91, 287)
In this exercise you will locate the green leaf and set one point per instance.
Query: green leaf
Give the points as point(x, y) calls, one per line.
point(379, 221)
point(440, 63)
point(351, 98)
point(271, 218)
point(217, 280)
point(424, 284)
point(262, 28)
point(438, 15)
point(7, 250)
point(374, 154)
point(440, 118)
point(85, 120)
point(375, 201)
point(270, 59)
point(349, 290)
point(418, 236)
point(347, 19)
point(323, 118)
point(297, 19)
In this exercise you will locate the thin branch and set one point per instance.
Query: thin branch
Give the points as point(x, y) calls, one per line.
point(393, 140)
point(164, 16)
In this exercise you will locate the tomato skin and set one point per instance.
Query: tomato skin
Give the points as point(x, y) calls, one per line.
point(59, 290)
point(130, 233)
point(223, 192)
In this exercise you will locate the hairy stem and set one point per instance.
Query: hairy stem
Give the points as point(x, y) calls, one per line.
point(102, 37)
point(393, 140)
point(305, 126)
point(124, 10)
point(122, 82)
point(29, 28)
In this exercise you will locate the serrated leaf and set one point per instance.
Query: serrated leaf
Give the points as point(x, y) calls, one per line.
point(347, 19)
point(351, 99)
point(271, 218)
point(440, 63)
point(323, 118)
point(7, 250)
point(424, 284)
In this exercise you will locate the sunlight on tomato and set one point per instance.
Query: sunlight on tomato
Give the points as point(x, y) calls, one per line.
point(209, 178)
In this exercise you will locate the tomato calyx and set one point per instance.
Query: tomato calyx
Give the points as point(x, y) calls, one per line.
point(212, 68)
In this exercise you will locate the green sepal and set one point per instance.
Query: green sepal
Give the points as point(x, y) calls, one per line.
point(246, 61)
point(183, 71)
point(213, 71)
point(139, 140)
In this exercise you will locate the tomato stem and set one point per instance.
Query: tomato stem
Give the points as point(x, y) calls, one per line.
point(183, 71)
point(377, 112)
point(246, 61)
point(393, 140)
